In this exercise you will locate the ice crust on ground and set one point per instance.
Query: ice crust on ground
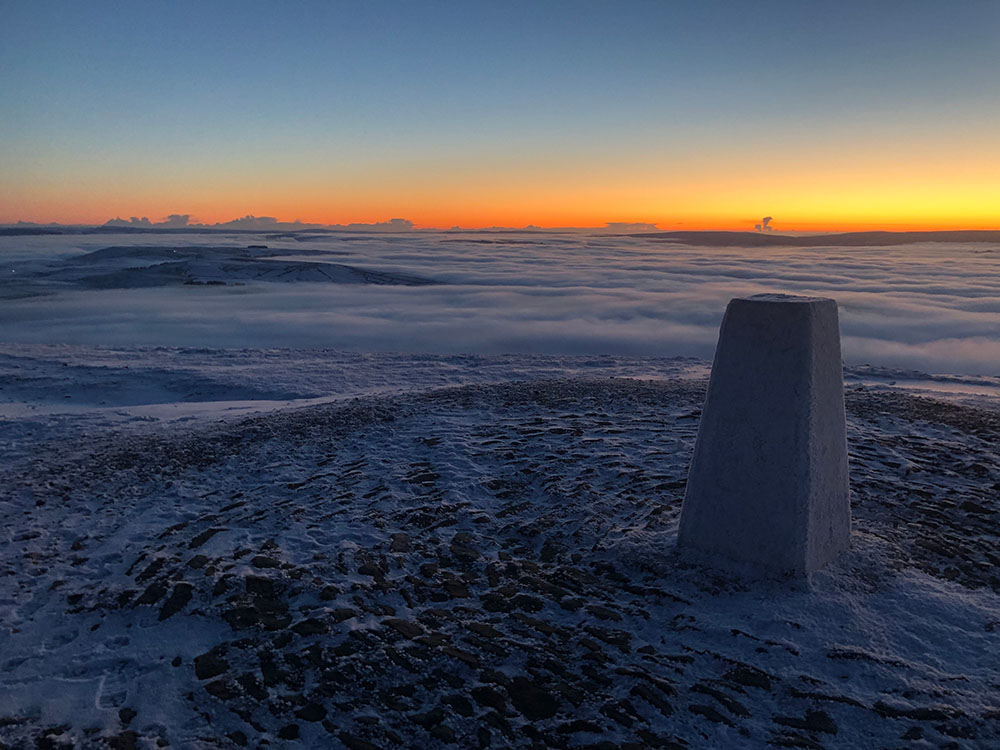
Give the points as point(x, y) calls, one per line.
point(448, 551)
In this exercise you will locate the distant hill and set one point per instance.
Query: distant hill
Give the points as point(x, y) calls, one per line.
point(851, 239)
point(27, 231)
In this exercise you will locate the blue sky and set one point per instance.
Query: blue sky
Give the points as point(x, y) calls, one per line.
point(198, 92)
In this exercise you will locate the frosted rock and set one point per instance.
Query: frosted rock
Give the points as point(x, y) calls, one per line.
point(768, 483)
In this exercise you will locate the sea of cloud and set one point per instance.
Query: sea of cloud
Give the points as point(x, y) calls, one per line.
point(933, 307)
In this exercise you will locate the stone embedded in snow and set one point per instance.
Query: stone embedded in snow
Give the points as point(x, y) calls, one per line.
point(768, 483)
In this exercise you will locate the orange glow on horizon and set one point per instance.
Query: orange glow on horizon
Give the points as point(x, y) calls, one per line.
point(802, 194)
point(549, 220)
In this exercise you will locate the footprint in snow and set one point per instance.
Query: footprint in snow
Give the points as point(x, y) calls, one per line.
point(112, 692)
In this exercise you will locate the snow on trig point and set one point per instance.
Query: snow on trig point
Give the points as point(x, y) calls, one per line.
point(768, 482)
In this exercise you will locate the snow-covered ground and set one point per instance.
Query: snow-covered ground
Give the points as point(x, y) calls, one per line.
point(220, 547)
point(409, 550)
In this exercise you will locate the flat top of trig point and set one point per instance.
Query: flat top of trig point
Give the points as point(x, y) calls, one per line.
point(790, 298)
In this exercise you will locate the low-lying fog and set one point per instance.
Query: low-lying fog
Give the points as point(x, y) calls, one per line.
point(932, 306)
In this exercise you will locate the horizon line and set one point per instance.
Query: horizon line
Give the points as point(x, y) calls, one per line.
point(252, 223)
point(402, 226)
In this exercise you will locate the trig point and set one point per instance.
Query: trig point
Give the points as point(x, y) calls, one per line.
point(768, 482)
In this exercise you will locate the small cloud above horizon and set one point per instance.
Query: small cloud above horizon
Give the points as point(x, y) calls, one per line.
point(174, 221)
point(630, 226)
point(765, 225)
point(251, 222)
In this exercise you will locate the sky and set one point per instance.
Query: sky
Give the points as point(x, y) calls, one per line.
point(691, 115)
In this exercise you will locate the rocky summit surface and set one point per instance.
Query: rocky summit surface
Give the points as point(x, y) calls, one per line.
point(489, 566)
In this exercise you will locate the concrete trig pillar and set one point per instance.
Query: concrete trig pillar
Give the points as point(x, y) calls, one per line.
point(768, 482)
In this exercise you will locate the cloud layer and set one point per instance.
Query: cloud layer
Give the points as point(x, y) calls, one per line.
point(932, 307)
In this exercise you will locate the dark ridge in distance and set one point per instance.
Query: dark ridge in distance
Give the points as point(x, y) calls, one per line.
point(846, 239)
point(27, 231)
point(697, 238)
